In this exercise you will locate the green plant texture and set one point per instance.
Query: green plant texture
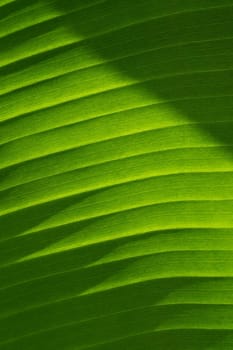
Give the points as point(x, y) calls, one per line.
point(116, 175)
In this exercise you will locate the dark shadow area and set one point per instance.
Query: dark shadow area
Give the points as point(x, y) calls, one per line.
point(20, 221)
point(64, 286)
point(123, 329)
point(174, 339)
point(12, 7)
point(63, 261)
point(56, 309)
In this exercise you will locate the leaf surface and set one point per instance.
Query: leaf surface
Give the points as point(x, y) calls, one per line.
point(116, 203)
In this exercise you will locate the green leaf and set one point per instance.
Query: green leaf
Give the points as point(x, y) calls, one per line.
point(116, 147)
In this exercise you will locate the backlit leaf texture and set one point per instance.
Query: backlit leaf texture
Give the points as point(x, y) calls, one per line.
point(116, 185)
